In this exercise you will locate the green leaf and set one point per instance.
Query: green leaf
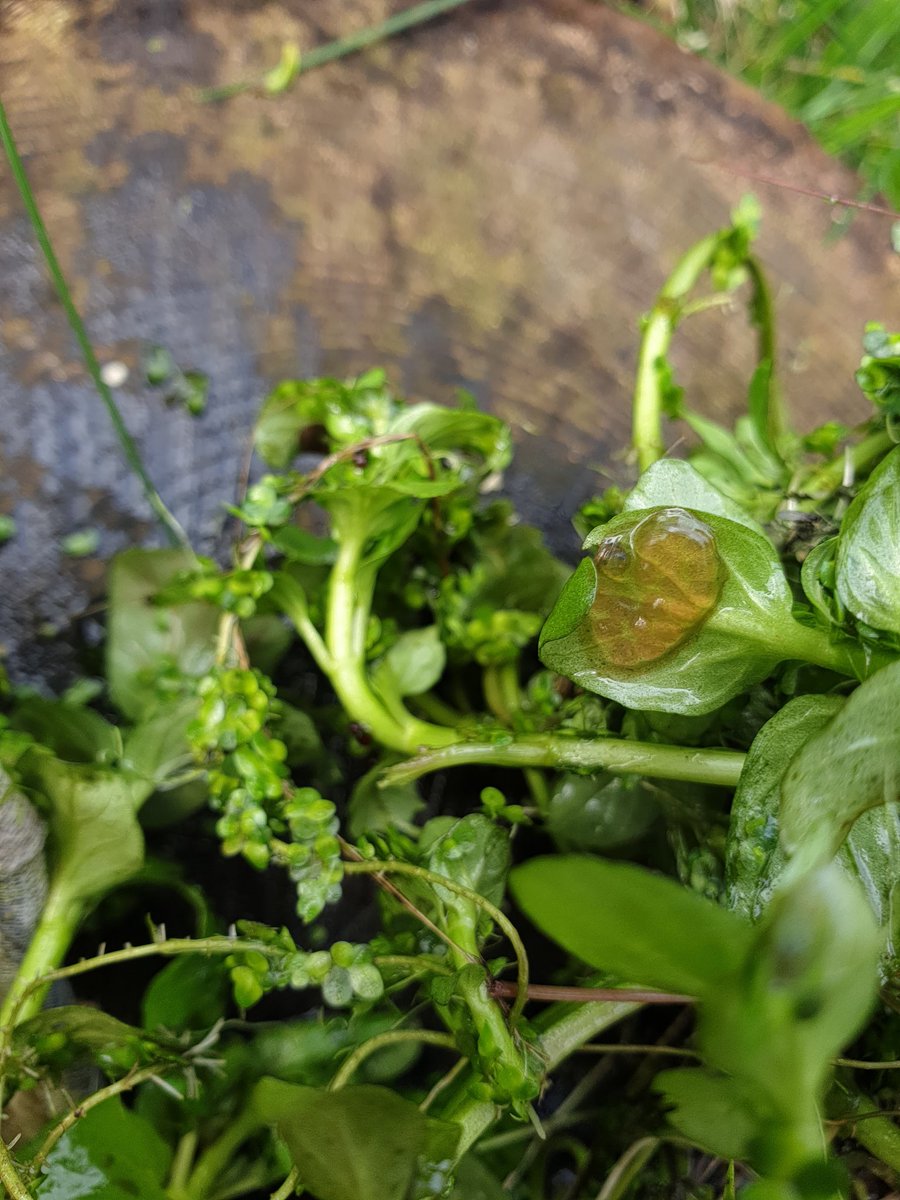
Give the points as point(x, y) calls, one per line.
point(475, 1182)
point(95, 841)
point(753, 858)
point(143, 638)
point(475, 853)
point(710, 1110)
point(110, 1154)
point(71, 731)
point(157, 748)
point(817, 580)
point(413, 665)
point(744, 631)
point(59, 1038)
point(361, 1143)
point(189, 993)
point(641, 927)
point(868, 551)
point(851, 766)
point(376, 809)
point(673, 483)
point(297, 545)
point(597, 812)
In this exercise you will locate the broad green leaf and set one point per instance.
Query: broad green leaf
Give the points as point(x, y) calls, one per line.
point(475, 1182)
point(76, 1034)
point(304, 1051)
point(808, 984)
point(95, 841)
point(413, 665)
point(851, 766)
point(710, 1110)
point(189, 993)
point(817, 581)
point(361, 1143)
point(298, 545)
point(156, 749)
point(475, 853)
point(645, 639)
point(109, 1154)
point(639, 926)
point(143, 638)
point(71, 731)
point(674, 483)
point(375, 809)
point(868, 551)
point(753, 858)
point(596, 812)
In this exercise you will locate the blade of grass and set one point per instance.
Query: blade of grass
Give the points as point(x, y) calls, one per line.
point(400, 22)
point(129, 447)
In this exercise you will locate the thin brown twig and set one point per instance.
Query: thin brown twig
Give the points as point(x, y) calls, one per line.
point(863, 205)
point(582, 995)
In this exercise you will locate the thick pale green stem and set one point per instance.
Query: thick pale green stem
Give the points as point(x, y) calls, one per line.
point(648, 400)
point(822, 482)
point(692, 764)
point(46, 950)
point(349, 600)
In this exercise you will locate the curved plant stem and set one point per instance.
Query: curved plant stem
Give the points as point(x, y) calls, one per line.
point(825, 480)
point(289, 1187)
point(396, 867)
point(48, 947)
point(120, 1086)
point(628, 1167)
point(696, 765)
point(647, 407)
point(126, 441)
point(214, 1160)
point(394, 1037)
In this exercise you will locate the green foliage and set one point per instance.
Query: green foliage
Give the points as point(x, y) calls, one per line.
point(867, 569)
point(362, 1143)
point(110, 1154)
point(748, 630)
point(879, 371)
point(848, 768)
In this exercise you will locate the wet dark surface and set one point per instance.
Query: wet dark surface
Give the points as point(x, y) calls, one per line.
point(489, 203)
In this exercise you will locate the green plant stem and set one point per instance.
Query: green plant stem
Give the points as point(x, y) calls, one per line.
point(647, 408)
point(395, 867)
point(826, 480)
point(349, 600)
point(49, 944)
point(394, 1037)
point(213, 1162)
point(565, 1027)
point(628, 1167)
point(182, 1162)
point(721, 768)
point(118, 1088)
point(129, 447)
point(881, 1137)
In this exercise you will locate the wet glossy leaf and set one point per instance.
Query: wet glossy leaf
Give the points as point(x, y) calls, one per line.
point(110, 1154)
point(144, 638)
point(851, 766)
point(680, 627)
point(642, 927)
point(475, 853)
point(868, 552)
point(361, 1143)
point(589, 812)
point(672, 482)
point(753, 858)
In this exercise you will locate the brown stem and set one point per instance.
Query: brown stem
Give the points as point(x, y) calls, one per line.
point(581, 995)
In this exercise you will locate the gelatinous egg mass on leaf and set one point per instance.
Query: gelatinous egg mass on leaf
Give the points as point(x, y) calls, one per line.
point(656, 584)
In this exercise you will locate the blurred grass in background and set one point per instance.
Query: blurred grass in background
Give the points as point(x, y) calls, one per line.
point(834, 64)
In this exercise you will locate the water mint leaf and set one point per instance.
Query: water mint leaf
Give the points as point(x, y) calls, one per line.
point(642, 927)
point(868, 550)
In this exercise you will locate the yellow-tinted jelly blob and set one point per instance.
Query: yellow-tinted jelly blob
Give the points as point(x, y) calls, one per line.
point(657, 582)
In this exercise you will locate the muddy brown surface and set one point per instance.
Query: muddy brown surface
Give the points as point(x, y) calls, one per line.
point(488, 203)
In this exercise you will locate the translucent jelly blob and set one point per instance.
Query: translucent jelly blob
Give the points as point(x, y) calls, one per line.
point(657, 583)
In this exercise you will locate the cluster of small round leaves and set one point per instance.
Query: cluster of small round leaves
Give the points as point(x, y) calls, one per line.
point(267, 503)
point(494, 805)
point(261, 816)
point(345, 973)
point(237, 591)
point(470, 629)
